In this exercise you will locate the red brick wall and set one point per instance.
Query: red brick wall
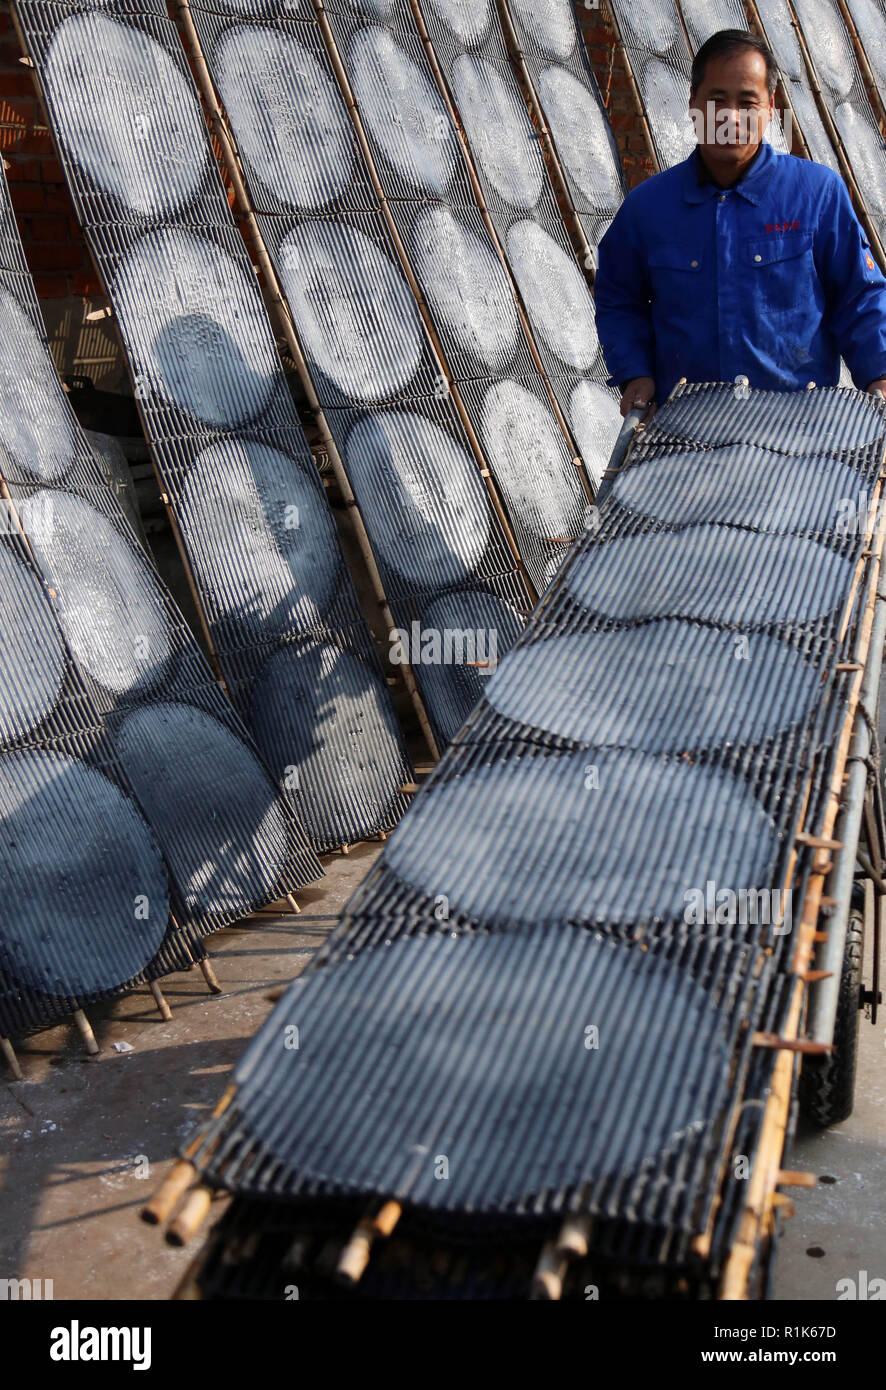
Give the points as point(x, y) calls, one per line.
point(624, 113)
point(54, 245)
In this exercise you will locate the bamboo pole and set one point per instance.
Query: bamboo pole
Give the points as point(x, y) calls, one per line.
point(756, 24)
point(168, 1195)
point(209, 975)
point(278, 309)
point(549, 1274)
point(777, 1043)
point(355, 1256)
point(805, 837)
point(573, 1239)
point(875, 96)
point(766, 1169)
point(408, 270)
point(8, 1051)
point(194, 1211)
point(160, 1001)
point(796, 129)
point(84, 1028)
point(488, 223)
point(181, 1175)
point(682, 23)
point(554, 167)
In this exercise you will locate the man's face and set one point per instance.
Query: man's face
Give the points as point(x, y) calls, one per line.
point(731, 109)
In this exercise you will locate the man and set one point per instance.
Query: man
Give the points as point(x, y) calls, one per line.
point(738, 261)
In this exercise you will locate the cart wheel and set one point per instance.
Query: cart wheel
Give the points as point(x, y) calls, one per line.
point(827, 1084)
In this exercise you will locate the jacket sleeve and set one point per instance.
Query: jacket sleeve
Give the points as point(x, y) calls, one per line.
point(622, 298)
point(855, 288)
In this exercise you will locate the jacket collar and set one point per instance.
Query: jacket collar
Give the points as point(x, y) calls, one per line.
point(750, 187)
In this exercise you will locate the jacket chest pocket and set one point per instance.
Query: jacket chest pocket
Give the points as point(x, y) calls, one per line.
point(779, 269)
point(673, 274)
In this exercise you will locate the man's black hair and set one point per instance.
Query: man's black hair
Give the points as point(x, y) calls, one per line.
point(726, 42)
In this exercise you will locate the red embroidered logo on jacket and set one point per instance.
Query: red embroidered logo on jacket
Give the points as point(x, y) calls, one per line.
point(782, 226)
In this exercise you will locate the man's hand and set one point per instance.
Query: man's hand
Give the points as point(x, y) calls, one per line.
point(876, 388)
point(641, 389)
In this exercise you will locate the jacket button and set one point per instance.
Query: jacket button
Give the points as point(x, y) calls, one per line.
point(758, 258)
point(693, 264)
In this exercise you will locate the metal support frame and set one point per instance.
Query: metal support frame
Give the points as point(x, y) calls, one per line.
point(861, 814)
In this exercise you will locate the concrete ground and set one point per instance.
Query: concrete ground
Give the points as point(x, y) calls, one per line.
point(85, 1142)
point(840, 1225)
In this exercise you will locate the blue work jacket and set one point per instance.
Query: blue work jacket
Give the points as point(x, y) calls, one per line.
point(772, 279)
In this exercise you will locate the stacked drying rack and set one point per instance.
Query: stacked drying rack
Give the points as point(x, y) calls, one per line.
point(525, 1062)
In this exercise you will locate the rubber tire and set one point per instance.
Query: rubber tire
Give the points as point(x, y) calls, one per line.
point(827, 1084)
